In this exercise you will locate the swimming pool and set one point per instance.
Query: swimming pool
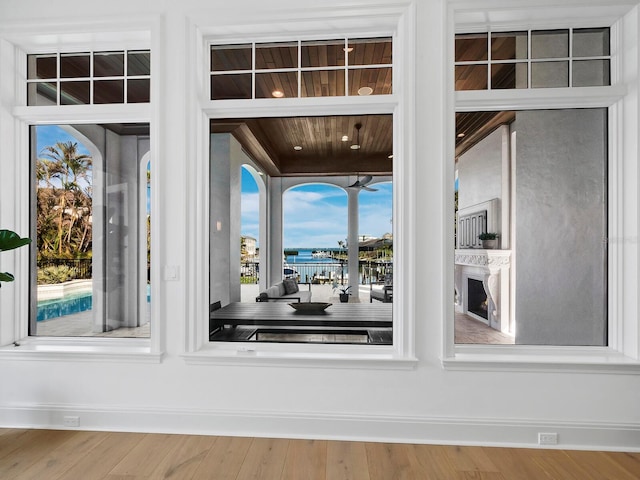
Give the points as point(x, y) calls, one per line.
point(68, 305)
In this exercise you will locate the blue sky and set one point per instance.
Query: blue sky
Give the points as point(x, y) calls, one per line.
point(48, 135)
point(315, 216)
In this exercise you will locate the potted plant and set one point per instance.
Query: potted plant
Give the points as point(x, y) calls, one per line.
point(489, 240)
point(8, 241)
point(344, 292)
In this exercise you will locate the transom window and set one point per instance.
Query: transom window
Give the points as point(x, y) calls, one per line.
point(569, 57)
point(89, 78)
point(318, 68)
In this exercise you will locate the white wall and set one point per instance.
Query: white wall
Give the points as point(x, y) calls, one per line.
point(480, 171)
point(560, 217)
point(370, 400)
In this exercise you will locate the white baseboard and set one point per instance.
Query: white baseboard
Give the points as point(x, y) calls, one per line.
point(394, 429)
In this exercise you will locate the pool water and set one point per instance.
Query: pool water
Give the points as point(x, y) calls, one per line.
point(68, 305)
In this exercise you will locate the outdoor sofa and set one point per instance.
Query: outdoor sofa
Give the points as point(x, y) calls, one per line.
point(383, 293)
point(288, 289)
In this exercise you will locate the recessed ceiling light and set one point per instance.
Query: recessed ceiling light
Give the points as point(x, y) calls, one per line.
point(355, 146)
point(365, 91)
point(297, 147)
point(345, 138)
point(460, 135)
point(277, 93)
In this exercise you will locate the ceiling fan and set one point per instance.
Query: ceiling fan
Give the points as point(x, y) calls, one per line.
point(361, 182)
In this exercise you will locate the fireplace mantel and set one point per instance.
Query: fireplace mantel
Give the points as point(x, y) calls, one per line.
point(483, 258)
point(493, 268)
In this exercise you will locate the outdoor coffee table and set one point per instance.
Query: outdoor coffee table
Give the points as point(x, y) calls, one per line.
point(280, 314)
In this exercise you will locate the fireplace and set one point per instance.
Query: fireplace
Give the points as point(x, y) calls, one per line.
point(477, 302)
point(482, 286)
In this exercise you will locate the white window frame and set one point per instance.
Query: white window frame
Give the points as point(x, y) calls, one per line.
point(299, 69)
point(622, 355)
point(529, 61)
point(393, 21)
point(125, 34)
point(58, 80)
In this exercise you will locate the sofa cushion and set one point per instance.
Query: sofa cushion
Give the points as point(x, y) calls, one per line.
point(273, 291)
point(290, 285)
point(281, 289)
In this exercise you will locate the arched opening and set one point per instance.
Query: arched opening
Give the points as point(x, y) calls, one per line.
point(314, 236)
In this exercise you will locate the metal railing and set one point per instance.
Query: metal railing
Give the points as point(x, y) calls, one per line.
point(322, 272)
point(82, 266)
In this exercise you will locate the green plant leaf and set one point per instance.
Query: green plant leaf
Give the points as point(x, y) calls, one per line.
point(6, 277)
point(10, 240)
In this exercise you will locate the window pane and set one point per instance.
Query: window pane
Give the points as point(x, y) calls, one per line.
point(138, 63)
point(108, 91)
point(509, 46)
point(549, 74)
point(276, 85)
point(138, 90)
point(590, 42)
point(75, 93)
point(92, 238)
point(556, 205)
point(508, 75)
point(591, 73)
point(323, 83)
point(230, 57)
point(323, 53)
point(370, 51)
point(549, 43)
point(42, 93)
point(314, 252)
point(370, 81)
point(224, 87)
point(108, 64)
point(42, 66)
point(276, 55)
point(471, 47)
point(75, 66)
point(471, 77)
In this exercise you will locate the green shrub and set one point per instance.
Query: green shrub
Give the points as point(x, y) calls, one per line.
point(56, 274)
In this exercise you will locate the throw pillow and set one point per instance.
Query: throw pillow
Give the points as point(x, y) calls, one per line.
point(290, 285)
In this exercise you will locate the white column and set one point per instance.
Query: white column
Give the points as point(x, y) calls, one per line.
point(273, 246)
point(352, 240)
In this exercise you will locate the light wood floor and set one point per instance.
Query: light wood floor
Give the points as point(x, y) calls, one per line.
point(75, 455)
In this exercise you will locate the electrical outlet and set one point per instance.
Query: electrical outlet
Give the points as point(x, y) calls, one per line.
point(71, 421)
point(547, 438)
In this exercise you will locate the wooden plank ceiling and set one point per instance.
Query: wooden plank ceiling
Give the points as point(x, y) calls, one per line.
point(271, 142)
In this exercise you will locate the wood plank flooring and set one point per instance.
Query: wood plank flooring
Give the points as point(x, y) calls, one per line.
point(79, 455)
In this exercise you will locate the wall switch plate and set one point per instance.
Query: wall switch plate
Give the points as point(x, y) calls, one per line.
point(547, 438)
point(171, 272)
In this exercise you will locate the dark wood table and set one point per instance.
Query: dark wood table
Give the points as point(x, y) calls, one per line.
point(280, 314)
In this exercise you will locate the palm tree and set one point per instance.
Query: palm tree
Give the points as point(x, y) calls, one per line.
point(68, 166)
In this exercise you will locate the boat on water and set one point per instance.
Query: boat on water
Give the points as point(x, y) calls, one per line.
point(320, 254)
